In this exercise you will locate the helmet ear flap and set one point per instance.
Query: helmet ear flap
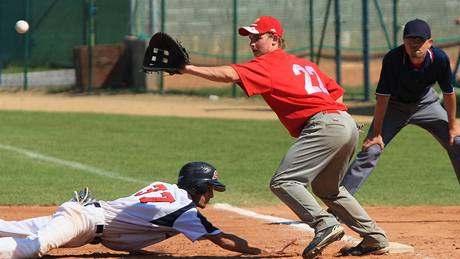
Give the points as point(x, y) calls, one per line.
point(201, 187)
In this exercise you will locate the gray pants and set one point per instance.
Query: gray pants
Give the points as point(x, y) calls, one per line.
point(319, 158)
point(427, 113)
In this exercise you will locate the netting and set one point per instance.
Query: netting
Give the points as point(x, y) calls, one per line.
point(208, 28)
point(207, 25)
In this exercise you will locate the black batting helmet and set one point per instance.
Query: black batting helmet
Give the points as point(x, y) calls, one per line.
point(194, 177)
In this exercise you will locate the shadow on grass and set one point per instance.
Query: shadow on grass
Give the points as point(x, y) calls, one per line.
point(366, 109)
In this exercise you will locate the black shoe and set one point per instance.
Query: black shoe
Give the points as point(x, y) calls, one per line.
point(323, 239)
point(362, 250)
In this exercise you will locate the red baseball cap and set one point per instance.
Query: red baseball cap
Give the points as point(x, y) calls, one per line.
point(262, 25)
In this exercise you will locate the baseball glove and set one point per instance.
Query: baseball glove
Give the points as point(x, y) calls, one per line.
point(84, 196)
point(165, 54)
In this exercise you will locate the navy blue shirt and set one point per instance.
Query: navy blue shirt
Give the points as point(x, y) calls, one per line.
point(406, 83)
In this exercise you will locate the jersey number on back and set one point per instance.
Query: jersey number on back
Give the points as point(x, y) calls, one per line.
point(310, 86)
point(157, 188)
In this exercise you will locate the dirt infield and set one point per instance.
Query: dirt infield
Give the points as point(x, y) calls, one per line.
point(434, 232)
point(149, 105)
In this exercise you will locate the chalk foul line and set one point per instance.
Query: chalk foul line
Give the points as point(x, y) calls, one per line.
point(69, 164)
point(271, 219)
point(395, 248)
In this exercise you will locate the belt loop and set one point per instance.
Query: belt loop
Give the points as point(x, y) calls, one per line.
point(99, 229)
point(330, 111)
point(98, 237)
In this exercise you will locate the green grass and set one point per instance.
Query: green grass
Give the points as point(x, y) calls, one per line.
point(414, 169)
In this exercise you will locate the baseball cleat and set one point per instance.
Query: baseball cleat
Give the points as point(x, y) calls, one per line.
point(321, 240)
point(362, 250)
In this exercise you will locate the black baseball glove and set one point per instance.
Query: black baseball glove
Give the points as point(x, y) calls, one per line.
point(165, 54)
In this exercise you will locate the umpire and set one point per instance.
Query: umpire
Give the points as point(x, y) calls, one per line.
point(405, 95)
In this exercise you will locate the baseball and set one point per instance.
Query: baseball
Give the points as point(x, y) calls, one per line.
point(21, 26)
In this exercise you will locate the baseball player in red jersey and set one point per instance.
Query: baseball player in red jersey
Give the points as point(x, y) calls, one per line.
point(151, 215)
point(309, 104)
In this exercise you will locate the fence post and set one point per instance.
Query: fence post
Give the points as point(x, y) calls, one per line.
point(132, 9)
point(90, 41)
point(162, 25)
point(366, 50)
point(395, 23)
point(312, 31)
point(151, 17)
point(382, 23)
point(26, 48)
point(235, 42)
point(323, 32)
point(338, 44)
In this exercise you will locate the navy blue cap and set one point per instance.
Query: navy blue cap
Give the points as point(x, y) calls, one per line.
point(417, 28)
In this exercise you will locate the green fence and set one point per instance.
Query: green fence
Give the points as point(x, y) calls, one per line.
point(56, 27)
point(208, 29)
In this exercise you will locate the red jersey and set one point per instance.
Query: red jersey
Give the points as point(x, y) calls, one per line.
point(294, 88)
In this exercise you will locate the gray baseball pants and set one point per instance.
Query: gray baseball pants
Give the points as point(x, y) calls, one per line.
point(319, 157)
point(427, 113)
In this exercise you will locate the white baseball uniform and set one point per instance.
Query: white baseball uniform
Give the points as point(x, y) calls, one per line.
point(153, 214)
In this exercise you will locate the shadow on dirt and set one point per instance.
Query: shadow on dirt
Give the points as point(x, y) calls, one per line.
point(361, 108)
point(148, 254)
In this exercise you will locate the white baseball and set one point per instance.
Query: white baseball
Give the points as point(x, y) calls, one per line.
point(21, 26)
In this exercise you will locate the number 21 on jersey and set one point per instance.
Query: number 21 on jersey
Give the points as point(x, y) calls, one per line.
point(309, 72)
point(151, 194)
